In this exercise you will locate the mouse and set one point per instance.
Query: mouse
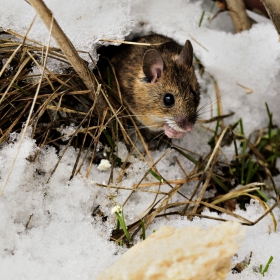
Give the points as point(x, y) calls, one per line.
point(158, 84)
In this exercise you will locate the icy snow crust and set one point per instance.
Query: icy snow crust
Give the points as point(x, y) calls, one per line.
point(63, 240)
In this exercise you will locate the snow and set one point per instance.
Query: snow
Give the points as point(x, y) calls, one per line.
point(62, 235)
point(67, 131)
point(46, 227)
point(63, 240)
point(104, 165)
point(83, 21)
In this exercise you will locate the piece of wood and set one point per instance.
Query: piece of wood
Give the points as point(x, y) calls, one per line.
point(273, 9)
point(238, 15)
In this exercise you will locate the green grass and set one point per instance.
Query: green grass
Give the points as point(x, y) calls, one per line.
point(118, 210)
point(201, 18)
point(143, 229)
point(263, 271)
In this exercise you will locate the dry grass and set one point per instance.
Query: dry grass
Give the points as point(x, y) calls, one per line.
point(47, 100)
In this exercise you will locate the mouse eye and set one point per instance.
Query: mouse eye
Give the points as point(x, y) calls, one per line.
point(193, 93)
point(168, 100)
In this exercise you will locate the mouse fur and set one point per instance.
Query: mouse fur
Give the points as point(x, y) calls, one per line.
point(158, 84)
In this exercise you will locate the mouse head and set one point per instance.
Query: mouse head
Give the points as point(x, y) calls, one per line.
point(168, 91)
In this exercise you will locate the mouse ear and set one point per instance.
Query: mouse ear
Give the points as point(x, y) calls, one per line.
point(186, 55)
point(152, 65)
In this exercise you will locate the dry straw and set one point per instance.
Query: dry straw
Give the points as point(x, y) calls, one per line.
point(47, 100)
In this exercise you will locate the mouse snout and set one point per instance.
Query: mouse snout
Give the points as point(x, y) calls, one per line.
point(178, 126)
point(183, 123)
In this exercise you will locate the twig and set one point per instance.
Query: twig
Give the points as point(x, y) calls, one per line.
point(65, 44)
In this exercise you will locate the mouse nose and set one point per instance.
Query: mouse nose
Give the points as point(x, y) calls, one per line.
point(189, 127)
point(183, 123)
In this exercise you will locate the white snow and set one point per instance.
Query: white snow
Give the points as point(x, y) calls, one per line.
point(104, 165)
point(62, 240)
point(67, 131)
point(83, 21)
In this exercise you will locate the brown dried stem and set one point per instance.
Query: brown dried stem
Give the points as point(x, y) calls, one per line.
point(65, 44)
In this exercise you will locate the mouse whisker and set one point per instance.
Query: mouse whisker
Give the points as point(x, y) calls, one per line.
point(211, 102)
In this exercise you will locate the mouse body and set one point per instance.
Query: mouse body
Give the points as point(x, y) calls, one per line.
point(158, 84)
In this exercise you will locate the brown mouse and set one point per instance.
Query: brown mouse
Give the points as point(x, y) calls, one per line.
point(158, 84)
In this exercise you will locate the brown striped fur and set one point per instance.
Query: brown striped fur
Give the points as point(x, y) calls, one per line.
point(145, 98)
